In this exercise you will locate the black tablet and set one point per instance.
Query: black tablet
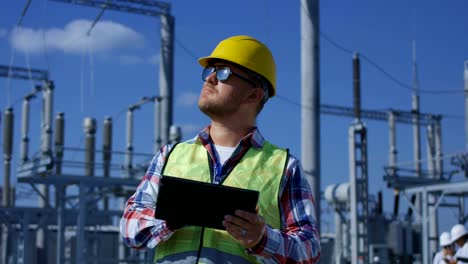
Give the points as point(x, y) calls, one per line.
point(189, 202)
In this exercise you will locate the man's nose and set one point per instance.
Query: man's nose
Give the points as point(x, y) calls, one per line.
point(212, 78)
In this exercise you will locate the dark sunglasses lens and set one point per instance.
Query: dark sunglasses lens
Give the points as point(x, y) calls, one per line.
point(222, 73)
point(207, 72)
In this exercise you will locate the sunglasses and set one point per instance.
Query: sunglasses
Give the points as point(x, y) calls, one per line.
point(223, 73)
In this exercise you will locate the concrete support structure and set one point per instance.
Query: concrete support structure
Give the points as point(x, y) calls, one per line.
point(25, 130)
point(310, 96)
point(166, 75)
point(106, 154)
point(337, 195)
point(157, 124)
point(129, 168)
point(129, 143)
point(89, 126)
point(430, 150)
point(465, 77)
point(392, 160)
point(7, 155)
point(60, 189)
point(6, 229)
point(437, 175)
point(416, 125)
point(59, 141)
point(46, 159)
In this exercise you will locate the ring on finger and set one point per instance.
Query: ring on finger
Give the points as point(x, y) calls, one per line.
point(244, 232)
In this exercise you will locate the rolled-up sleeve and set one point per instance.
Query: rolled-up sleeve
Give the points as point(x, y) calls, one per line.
point(298, 241)
point(138, 226)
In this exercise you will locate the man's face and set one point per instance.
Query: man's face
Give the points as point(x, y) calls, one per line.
point(460, 241)
point(224, 98)
point(449, 249)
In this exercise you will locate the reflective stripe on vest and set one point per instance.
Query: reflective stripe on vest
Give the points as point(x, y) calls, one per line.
point(260, 170)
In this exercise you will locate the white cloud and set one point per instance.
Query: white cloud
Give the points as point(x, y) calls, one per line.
point(105, 36)
point(3, 32)
point(130, 59)
point(187, 99)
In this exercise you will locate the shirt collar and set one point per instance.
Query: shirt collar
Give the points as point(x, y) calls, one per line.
point(256, 138)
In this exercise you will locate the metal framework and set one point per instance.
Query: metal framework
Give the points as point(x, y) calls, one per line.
point(129, 167)
point(43, 171)
point(359, 213)
point(401, 116)
point(23, 73)
point(140, 7)
point(62, 216)
point(440, 190)
point(154, 9)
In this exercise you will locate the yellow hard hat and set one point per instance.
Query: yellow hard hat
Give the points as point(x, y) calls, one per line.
point(248, 52)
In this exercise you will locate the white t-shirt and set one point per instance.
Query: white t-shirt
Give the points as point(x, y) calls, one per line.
point(224, 153)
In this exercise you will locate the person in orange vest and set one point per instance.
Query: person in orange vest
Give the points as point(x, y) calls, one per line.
point(239, 78)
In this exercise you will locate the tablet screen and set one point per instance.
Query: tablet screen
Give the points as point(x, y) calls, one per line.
point(197, 203)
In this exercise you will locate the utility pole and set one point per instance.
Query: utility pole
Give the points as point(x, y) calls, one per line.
point(465, 74)
point(358, 176)
point(416, 129)
point(310, 96)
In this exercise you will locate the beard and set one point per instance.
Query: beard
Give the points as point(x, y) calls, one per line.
point(217, 108)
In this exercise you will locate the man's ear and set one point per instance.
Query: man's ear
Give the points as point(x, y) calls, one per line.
point(256, 95)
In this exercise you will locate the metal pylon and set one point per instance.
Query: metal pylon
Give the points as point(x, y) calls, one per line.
point(359, 193)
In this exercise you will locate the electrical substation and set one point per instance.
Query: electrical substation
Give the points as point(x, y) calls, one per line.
point(82, 191)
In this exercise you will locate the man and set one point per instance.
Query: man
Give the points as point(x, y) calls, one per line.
point(239, 77)
point(460, 237)
point(445, 255)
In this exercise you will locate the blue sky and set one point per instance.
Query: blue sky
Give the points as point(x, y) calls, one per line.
point(101, 75)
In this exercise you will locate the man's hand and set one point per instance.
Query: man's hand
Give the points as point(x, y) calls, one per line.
point(246, 227)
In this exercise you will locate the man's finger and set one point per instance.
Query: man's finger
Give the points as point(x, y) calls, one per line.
point(250, 217)
point(239, 221)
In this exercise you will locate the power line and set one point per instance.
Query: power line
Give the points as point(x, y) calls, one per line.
point(386, 73)
point(189, 52)
point(44, 43)
point(334, 43)
point(381, 114)
point(381, 69)
point(407, 86)
point(366, 58)
point(192, 54)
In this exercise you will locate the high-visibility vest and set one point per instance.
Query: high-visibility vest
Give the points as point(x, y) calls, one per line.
point(259, 169)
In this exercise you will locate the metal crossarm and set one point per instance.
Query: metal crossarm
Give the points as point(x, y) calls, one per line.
point(23, 73)
point(141, 7)
point(401, 116)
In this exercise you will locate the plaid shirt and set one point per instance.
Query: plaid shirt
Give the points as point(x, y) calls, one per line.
point(298, 240)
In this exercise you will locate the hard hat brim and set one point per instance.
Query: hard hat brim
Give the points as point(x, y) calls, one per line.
point(459, 236)
point(447, 244)
point(203, 61)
